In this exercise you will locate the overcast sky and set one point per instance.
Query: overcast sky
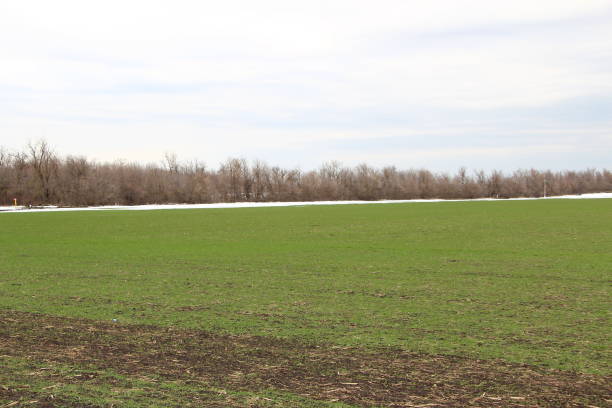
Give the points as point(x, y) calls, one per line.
point(437, 84)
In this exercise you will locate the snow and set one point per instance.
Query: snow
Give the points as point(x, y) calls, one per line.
point(22, 209)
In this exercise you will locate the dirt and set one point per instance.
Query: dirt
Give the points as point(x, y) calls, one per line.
point(359, 376)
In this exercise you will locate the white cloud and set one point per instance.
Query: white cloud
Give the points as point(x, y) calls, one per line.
point(232, 70)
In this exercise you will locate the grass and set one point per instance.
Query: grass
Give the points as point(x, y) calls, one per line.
point(522, 281)
point(65, 385)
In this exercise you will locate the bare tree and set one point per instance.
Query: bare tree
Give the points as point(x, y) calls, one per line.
point(236, 179)
point(171, 162)
point(38, 175)
point(5, 175)
point(261, 180)
point(44, 163)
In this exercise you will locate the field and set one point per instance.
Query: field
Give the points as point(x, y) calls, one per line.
point(430, 304)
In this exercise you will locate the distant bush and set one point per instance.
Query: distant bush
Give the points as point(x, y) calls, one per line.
point(39, 176)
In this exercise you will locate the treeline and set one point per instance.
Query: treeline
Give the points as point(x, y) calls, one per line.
point(38, 176)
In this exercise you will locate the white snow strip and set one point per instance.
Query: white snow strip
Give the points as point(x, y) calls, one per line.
point(22, 209)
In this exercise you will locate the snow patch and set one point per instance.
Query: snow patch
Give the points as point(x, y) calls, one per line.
point(23, 209)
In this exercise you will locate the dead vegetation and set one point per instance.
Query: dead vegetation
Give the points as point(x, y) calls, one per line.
point(363, 377)
point(40, 176)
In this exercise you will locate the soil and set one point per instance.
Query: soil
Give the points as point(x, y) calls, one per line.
point(363, 377)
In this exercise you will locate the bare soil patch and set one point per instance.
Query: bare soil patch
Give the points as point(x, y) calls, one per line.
point(364, 377)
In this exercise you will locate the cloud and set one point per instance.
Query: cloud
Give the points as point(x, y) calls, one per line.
point(276, 78)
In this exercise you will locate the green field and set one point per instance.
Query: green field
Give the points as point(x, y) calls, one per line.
point(525, 283)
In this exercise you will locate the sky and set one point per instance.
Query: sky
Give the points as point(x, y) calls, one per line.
point(437, 84)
